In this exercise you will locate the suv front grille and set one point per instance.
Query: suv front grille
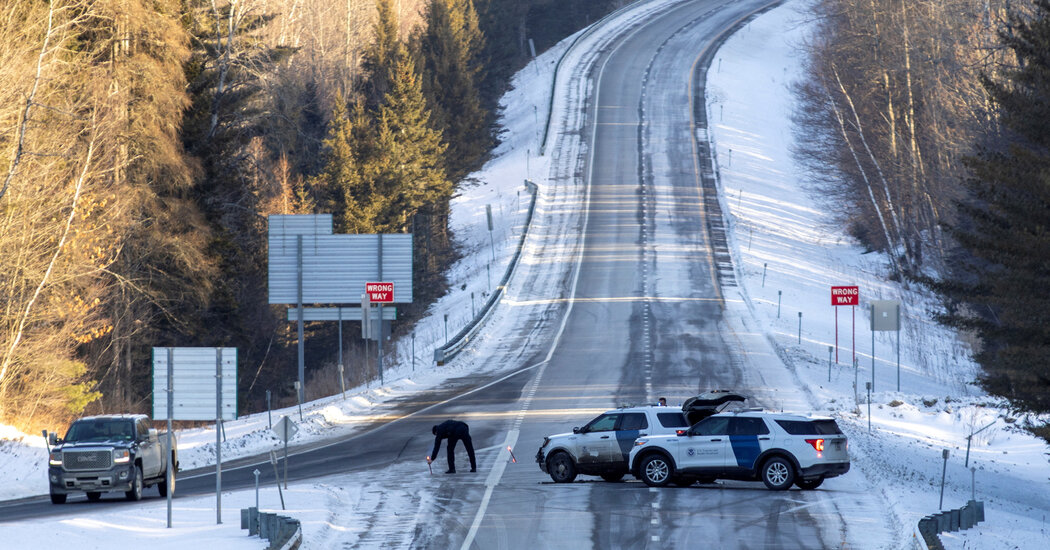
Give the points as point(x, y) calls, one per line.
point(75, 461)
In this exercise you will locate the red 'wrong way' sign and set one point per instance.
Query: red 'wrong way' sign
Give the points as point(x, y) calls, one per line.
point(380, 292)
point(845, 296)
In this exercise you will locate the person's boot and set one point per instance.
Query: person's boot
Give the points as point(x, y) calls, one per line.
point(472, 470)
point(450, 472)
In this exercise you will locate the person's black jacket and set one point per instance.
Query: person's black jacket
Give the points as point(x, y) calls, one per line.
point(449, 429)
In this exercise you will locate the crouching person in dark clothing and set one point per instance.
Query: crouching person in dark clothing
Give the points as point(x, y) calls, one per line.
point(454, 431)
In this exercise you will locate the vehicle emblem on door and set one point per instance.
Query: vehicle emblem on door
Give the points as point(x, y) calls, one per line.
point(690, 452)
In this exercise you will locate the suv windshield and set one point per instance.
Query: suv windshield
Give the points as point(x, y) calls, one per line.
point(101, 430)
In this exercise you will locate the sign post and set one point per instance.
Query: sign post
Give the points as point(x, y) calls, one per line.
point(180, 371)
point(218, 436)
point(885, 316)
point(169, 476)
point(285, 430)
point(845, 296)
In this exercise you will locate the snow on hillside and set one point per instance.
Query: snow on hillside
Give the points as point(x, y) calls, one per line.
point(789, 252)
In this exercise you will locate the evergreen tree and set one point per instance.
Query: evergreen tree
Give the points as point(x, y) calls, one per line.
point(1004, 230)
point(407, 170)
point(380, 56)
point(450, 48)
point(341, 178)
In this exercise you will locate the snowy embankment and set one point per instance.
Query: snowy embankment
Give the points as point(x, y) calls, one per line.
point(788, 251)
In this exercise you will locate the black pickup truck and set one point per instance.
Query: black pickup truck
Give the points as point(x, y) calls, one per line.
point(109, 453)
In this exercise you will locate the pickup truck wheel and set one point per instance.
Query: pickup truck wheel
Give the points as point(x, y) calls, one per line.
point(656, 470)
point(162, 487)
point(561, 467)
point(57, 498)
point(136, 486)
point(778, 474)
point(94, 496)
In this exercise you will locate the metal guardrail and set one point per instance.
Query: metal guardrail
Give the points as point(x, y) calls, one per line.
point(557, 66)
point(461, 339)
point(284, 533)
point(958, 519)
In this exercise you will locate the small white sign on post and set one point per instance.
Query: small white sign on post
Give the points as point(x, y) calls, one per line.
point(197, 384)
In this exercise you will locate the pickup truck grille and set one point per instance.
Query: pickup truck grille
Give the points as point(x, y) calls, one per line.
point(76, 461)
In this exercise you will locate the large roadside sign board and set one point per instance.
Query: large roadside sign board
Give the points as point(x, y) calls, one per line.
point(194, 383)
point(334, 268)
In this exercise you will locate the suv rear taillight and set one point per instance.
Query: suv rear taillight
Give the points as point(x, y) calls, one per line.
point(818, 444)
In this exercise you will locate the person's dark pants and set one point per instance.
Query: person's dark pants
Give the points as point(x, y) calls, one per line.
point(470, 452)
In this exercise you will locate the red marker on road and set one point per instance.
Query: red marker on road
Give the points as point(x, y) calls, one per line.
point(509, 450)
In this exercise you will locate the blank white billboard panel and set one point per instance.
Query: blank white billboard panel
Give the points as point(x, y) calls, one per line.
point(194, 383)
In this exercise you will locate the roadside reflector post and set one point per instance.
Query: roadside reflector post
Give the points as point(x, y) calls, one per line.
point(800, 327)
point(868, 385)
point(944, 471)
point(973, 483)
point(256, 472)
point(269, 418)
point(780, 293)
point(829, 363)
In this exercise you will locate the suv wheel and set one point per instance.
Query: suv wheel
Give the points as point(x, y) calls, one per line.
point(561, 467)
point(810, 484)
point(58, 498)
point(136, 485)
point(778, 473)
point(94, 496)
point(656, 470)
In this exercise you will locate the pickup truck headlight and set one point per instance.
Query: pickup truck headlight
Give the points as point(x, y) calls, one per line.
point(121, 456)
point(55, 459)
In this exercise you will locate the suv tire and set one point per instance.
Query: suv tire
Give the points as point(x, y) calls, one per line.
point(656, 470)
point(561, 467)
point(810, 484)
point(94, 496)
point(778, 473)
point(58, 498)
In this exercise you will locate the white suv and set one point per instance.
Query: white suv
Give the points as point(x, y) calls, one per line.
point(601, 447)
point(780, 449)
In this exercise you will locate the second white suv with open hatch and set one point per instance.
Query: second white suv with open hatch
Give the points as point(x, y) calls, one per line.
point(777, 448)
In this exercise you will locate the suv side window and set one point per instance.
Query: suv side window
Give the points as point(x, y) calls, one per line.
point(748, 426)
point(712, 425)
point(634, 421)
point(604, 423)
point(672, 420)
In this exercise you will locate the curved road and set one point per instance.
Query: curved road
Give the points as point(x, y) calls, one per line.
point(640, 316)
